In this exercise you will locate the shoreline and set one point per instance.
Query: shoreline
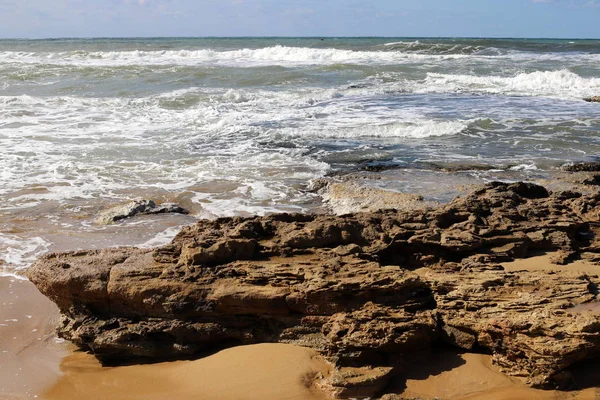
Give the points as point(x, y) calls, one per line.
point(250, 372)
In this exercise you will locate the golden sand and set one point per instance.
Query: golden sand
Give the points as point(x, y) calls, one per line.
point(451, 376)
point(258, 372)
point(29, 353)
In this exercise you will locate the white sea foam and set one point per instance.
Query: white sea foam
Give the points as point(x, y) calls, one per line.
point(409, 128)
point(14, 275)
point(524, 167)
point(85, 148)
point(162, 238)
point(262, 142)
point(286, 55)
point(560, 84)
point(17, 253)
point(276, 55)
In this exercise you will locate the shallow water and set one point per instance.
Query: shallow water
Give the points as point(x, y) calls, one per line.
point(240, 126)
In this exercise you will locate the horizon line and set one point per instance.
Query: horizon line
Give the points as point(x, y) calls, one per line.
point(299, 37)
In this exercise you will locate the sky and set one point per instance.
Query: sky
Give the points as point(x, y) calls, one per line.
point(399, 18)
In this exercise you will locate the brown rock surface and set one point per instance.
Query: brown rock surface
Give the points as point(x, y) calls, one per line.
point(367, 290)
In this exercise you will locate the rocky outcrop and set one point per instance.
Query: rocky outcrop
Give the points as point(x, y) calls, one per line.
point(522, 318)
point(368, 290)
point(582, 167)
point(593, 99)
point(137, 207)
point(350, 196)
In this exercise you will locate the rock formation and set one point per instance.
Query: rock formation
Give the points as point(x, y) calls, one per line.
point(582, 167)
point(368, 290)
point(593, 99)
point(137, 207)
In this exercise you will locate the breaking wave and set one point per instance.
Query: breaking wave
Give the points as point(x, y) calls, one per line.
point(560, 84)
point(275, 55)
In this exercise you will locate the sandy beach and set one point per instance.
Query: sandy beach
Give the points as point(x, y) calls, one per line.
point(30, 354)
point(265, 371)
point(452, 376)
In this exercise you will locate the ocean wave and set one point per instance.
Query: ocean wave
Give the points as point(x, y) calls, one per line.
point(65, 147)
point(494, 46)
point(275, 55)
point(443, 48)
point(560, 84)
point(278, 55)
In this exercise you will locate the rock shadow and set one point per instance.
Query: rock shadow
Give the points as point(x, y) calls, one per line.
point(584, 375)
point(442, 358)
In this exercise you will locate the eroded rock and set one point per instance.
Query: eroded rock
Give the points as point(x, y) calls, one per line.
point(366, 290)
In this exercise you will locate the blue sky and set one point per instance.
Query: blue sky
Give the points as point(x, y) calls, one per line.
point(474, 18)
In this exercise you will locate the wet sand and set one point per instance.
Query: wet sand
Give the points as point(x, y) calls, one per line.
point(30, 355)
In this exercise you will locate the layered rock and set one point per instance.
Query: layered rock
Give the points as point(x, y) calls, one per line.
point(522, 318)
point(367, 290)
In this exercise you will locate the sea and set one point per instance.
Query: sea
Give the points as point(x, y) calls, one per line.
point(242, 126)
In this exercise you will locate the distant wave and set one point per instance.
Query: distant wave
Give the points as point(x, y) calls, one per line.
point(276, 55)
point(439, 48)
point(494, 46)
point(387, 54)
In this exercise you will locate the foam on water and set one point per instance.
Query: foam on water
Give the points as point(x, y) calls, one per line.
point(17, 253)
point(162, 238)
point(75, 147)
point(276, 55)
point(70, 147)
point(413, 128)
point(559, 84)
point(231, 130)
point(389, 54)
point(420, 47)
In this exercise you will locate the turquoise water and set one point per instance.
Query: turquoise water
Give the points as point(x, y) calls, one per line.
point(237, 126)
